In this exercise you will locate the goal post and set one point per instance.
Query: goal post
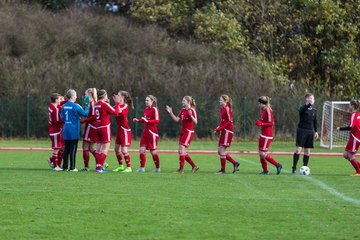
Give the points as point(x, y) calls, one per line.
point(335, 114)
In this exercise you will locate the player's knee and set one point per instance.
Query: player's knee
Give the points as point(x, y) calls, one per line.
point(182, 152)
point(346, 156)
point(262, 154)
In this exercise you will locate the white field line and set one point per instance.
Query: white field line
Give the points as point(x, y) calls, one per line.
point(320, 184)
point(176, 151)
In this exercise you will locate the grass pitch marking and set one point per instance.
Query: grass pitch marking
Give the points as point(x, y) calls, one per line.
point(318, 183)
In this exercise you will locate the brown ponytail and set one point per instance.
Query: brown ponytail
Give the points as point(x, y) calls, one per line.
point(101, 94)
point(127, 98)
point(355, 104)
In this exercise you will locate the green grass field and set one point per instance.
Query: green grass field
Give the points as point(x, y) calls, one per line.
point(37, 203)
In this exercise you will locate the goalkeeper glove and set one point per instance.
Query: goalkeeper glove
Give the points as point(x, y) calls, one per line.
point(86, 101)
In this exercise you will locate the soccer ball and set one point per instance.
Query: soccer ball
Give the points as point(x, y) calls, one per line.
point(304, 170)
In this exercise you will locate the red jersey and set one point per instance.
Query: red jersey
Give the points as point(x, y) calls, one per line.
point(55, 123)
point(186, 121)
point(226, 119)
point(355, 124)
point(267, 120)
point(103, 111)
point(151, 119)
point(92, 116)
point(122, 118)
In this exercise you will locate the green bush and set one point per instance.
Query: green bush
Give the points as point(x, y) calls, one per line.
point(213, 26)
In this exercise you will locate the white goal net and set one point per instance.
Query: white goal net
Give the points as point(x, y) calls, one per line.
point(335, 114)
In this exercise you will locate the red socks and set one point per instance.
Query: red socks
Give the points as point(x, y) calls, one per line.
point(264, 164)
point(156, 160)
point(230, 159)
point(155, 157)
point(271, 160)
point(60, 157)
point(100, 159)
point(354, 163)
point(86, 156)
point(181, 161)
point(127, 159)
point(189, 160)
point(223, 162)
point(119, 158)
point(142, 160)
point(55, 159)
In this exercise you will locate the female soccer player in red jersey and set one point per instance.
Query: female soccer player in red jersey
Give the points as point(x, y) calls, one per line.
point(123, 137)
point(89, 135)
point(266, 123)
point(103, 110)
point(150, 136)
point(226, 129)
point(55, 126)
point(354, 138)
point(188, 118)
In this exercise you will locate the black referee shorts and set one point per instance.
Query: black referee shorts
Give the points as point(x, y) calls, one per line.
point(305, 138)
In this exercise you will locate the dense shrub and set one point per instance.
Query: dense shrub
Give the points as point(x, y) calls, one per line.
point(79, 49)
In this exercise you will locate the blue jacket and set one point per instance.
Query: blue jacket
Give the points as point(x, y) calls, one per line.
point(70, 114)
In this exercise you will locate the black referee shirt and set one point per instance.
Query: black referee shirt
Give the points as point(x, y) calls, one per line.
point(307, 118)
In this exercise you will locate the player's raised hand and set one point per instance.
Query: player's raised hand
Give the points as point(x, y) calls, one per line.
point(168, 109)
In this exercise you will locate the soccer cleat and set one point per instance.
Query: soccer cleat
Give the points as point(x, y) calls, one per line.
point(195, 169)
point(179, 171)
point(73, 170)
point(278, 169)
point(119, 168)
point(85, 169)
point(141, 170)
point(57, 168)
point(106, 165)
point(355, 175)
point(264, 173)
point(156, 170)
point(127, 170)
point(220, 172)
point(101, 170)
point(293, 170)
point(236, 167)
point(50, 162)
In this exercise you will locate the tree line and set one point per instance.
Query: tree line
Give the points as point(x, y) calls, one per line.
point(306, 44)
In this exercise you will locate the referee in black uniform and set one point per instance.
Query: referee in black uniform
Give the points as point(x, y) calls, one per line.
point(306, 131)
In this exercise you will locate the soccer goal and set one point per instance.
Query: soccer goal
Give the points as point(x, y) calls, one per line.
point(335, 114)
